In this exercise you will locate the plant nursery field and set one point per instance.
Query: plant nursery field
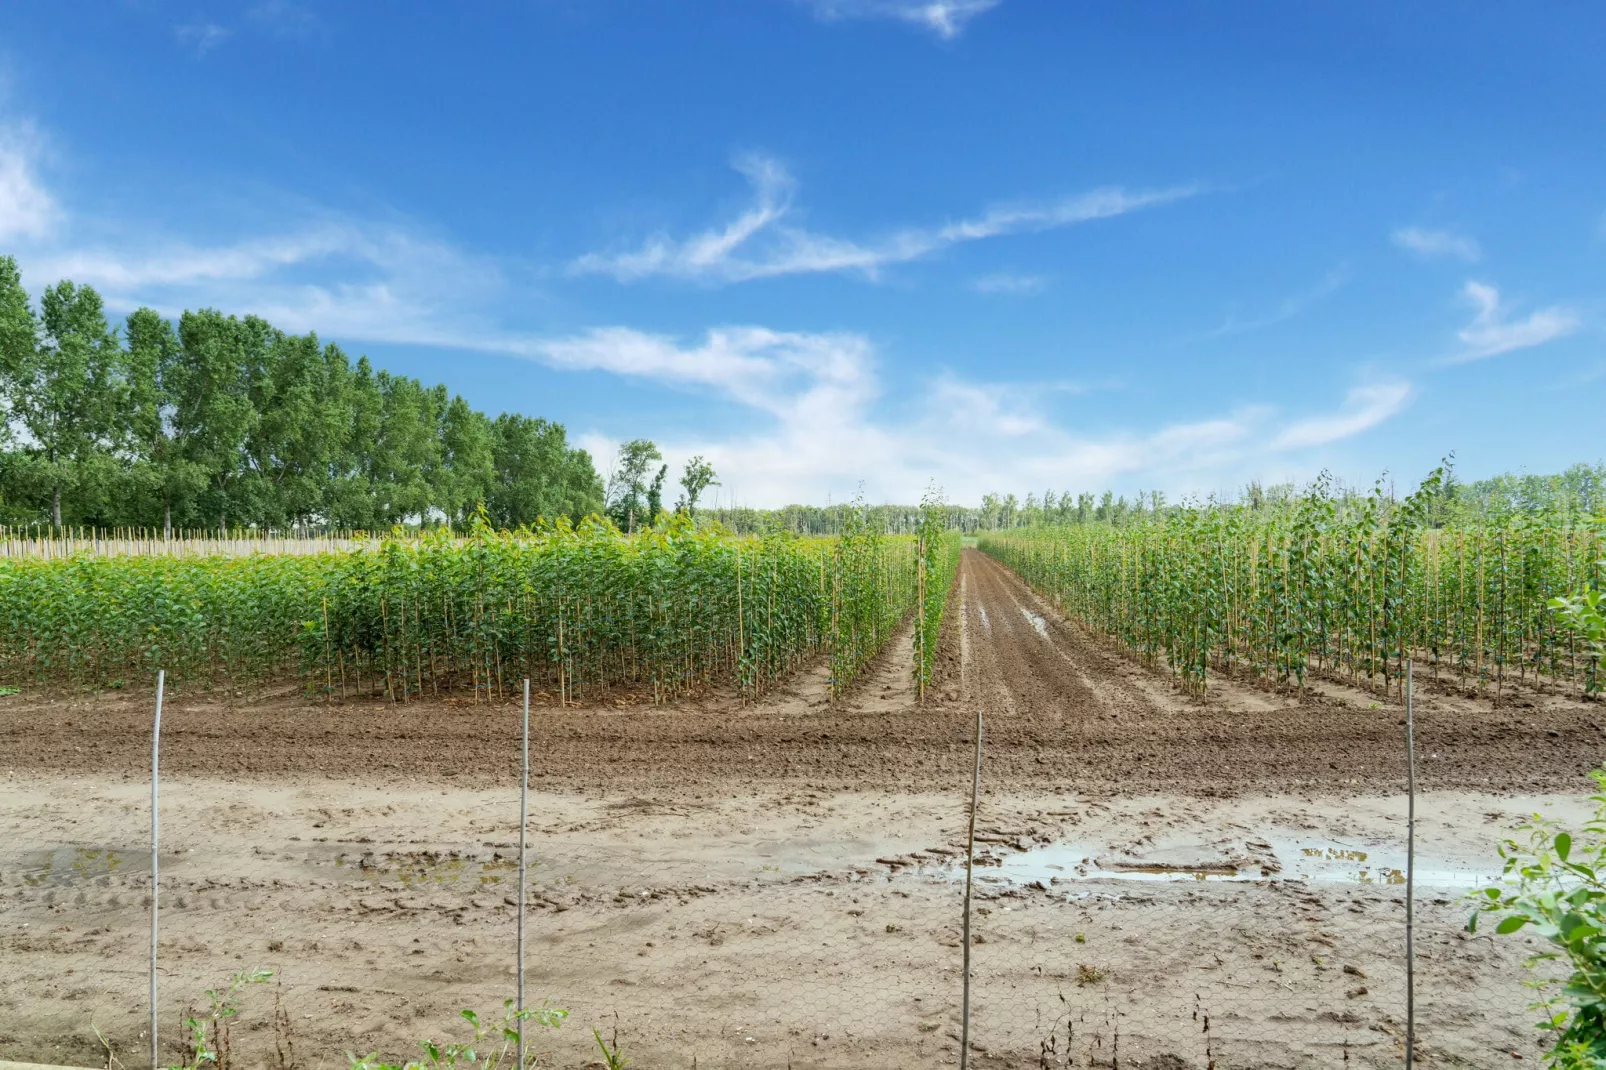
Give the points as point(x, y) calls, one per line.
point(720, 881)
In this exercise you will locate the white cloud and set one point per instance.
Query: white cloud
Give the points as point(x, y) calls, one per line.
point(1006, 283)
point(1434, 244)
point(823, 430)
point(1490, 333)
point(27, 210)
point(945, 18)
point(286, 20)
point(180, 263)
point(789, 375)
point(986, 408)
point(201, 36)
point(338, 276)
point(761, 243)
point(1364, 408)
point(1289, 307)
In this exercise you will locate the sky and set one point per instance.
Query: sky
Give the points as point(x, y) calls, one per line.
point(868, 245)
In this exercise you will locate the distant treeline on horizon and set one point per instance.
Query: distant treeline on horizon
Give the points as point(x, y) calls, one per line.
point(1579, 492)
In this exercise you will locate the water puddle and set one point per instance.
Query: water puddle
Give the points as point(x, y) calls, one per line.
point(1037, 622)
point(74, 864)
point(1275, 859)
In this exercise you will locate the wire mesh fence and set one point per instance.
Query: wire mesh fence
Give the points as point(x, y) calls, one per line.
point(690, 931)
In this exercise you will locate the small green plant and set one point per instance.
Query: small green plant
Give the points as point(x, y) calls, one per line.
point(209, 1033)
point(611, 1055)
point(1556, 888)
point(1089, 975)
point(7, 692)
point(502, 1050)
point(1585, 615)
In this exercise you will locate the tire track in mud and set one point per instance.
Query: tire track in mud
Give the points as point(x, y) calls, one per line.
point(1047, 669)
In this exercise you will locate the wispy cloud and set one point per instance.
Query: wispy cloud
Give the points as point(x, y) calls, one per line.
point(1490, 333)
point(820, 394)
point(1364, 408)
point(787, 374)
point(1288, 308)
point(201, 36)
point(1006, 283)
point(286, 20)
point(176, 264)
point(1437, 244)
point(945, 18)
point(760, 242)
point(27, 209)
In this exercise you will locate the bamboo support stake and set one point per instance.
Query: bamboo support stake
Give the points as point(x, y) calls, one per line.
point(1410, 875)
point(524, 824)
point(156, 739)
point(970, 866)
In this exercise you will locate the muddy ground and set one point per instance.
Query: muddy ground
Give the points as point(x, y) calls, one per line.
point(777, 884)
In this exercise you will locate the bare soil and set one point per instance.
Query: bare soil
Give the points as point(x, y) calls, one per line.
point(778, 883)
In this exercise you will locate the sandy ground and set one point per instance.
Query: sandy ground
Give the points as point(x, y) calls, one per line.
point(1165, 880)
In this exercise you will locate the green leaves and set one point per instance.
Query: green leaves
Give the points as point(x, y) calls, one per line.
point(228, 421)
point(1347, 587)
point(1552, 890)
point(936, 564)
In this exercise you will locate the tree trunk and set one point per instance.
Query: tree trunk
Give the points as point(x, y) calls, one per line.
point(55, 506)
point(167, 518)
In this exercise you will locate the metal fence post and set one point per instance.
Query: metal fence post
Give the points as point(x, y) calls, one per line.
point(524, 823)
point(1410, 875)
point(156, 740)
point(970, 867)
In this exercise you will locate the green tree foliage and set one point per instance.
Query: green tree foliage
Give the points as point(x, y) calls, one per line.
point(578, 609)
point(1556, 890)
point(67, 394)
point(468, 463)
point(159, 474)
point(697, 477)
point(937, 562)
point(19, 337)
point(535, 473)
point(1332, 584)
point(228, 422)
point(630, 493)
point(1584, 617)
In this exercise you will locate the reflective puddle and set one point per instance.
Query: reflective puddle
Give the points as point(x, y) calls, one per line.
point(1036, 621)
point(71, 864)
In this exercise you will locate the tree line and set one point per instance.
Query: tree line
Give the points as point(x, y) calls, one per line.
point(219, 421)
point(1577, 493)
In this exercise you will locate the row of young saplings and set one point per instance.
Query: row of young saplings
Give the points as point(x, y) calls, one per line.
point(577, 610)
point(1346, 589)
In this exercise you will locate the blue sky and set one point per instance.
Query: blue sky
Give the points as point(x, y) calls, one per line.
point(1001, 244)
